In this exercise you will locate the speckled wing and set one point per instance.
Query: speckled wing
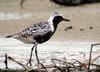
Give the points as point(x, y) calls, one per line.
point(37, 29)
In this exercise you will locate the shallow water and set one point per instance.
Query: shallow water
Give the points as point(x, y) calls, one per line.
point(52, 49)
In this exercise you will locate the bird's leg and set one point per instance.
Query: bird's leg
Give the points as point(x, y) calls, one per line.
point(29, 62)
point(38, 59)
point(36, 55)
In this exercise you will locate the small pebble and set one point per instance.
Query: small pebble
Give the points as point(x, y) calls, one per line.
point(70, 27)
point(91, 27)
point(81, 29)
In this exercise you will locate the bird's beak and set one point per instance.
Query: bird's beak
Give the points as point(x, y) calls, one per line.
point(66, 20)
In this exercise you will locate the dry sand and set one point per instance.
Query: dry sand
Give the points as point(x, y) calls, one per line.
point(82, 17)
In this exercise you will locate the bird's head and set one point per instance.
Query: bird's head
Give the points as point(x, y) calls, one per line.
point(56, 18)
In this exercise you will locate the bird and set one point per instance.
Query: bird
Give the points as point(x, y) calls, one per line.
point(39, 33)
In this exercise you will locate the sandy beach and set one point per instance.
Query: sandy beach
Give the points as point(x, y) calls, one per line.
point(13, 19)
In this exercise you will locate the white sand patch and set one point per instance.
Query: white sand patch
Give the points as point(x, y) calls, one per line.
point(13, 16)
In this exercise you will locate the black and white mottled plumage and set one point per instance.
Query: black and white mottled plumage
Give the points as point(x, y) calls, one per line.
point(37, 29)
point(40, 32)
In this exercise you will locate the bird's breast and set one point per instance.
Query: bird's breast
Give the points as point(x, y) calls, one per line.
point(43, 38)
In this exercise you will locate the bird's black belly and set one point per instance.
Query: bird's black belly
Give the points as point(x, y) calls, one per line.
point(43, 38)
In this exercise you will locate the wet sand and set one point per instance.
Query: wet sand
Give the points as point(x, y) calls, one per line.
point(82, 18)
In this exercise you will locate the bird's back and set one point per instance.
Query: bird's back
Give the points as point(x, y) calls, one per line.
point(36, 29)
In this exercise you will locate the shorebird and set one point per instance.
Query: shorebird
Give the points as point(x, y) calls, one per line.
point(39, 33)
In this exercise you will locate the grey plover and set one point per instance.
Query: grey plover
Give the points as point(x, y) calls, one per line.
point(39, 33)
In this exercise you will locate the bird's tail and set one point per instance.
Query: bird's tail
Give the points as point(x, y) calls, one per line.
point(9, 36)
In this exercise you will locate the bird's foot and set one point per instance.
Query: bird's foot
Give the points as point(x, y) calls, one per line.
point(29, 63)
